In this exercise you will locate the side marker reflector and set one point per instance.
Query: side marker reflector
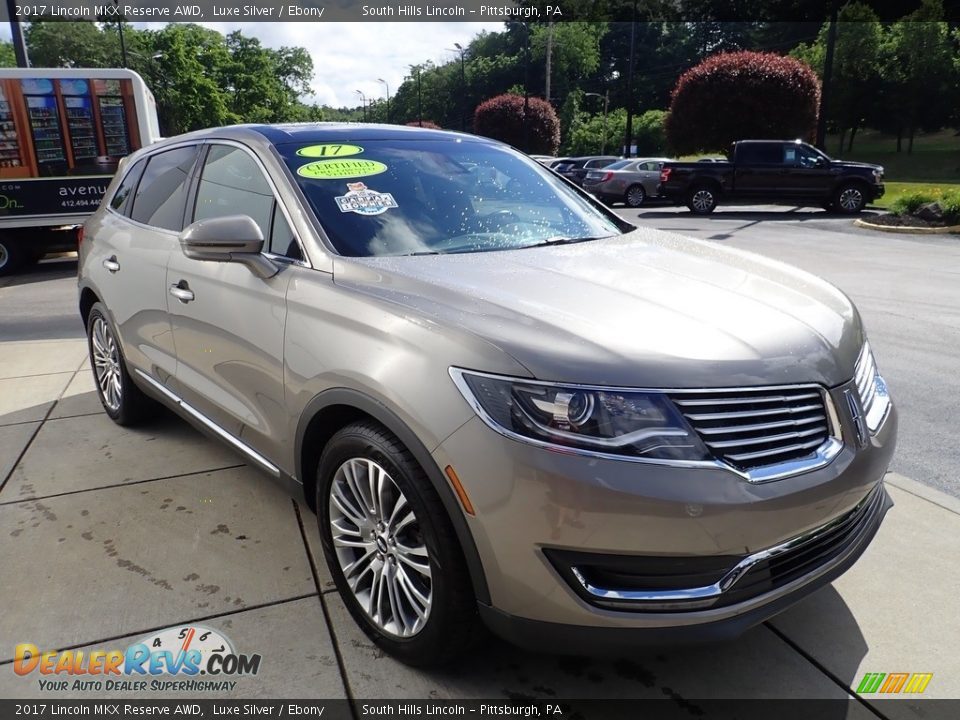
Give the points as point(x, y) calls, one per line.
point(458, 488)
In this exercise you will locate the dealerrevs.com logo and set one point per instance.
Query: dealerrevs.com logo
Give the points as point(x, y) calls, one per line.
point(170, 660)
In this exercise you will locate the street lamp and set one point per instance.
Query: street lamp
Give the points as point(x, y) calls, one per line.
point(381, 80)
point(463, 87)
point(363, 99)
point(606, 103)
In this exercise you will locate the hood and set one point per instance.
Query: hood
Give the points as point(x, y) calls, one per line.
point(645, 309)
point(852, 164)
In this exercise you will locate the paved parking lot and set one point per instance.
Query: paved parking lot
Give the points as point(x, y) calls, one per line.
point(108, 535)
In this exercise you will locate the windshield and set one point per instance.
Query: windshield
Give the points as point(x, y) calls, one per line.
point(619, 165)
point(391, 197)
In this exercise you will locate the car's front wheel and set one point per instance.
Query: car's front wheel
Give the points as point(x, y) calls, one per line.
point(391, 548)
point(123, 401)
point(850, 199)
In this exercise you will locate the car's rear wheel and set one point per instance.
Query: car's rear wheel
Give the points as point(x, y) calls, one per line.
point(123, 401)
point(391, 548)
point(702, 199)
point(850, 199)
point(635, 196)
point(11, 256)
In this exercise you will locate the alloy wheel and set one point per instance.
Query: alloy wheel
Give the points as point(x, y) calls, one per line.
point(851, 199)
point(4, 256)
point(702, 200)
point(380, 548)
point(106, 364)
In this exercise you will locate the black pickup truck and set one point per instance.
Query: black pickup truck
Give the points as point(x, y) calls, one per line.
point(772, 171)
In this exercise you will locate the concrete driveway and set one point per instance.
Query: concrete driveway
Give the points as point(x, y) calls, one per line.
point(109, 535)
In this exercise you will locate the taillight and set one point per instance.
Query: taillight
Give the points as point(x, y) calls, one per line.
point(79, 236)
point(665, 174)
point(606, 176)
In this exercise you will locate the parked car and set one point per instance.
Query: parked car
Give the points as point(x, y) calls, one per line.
point(575, 169)
point(773, 171)
point(628, 181)
point(546, 160)
point(512, 409)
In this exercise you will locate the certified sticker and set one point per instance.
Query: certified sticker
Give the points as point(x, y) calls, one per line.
point(362, 200)
point(339, 169)
point(326, 151)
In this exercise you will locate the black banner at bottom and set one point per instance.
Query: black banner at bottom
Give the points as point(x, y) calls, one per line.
point(675, 708)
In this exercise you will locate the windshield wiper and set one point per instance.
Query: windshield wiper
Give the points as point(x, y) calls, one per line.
point(560, 240)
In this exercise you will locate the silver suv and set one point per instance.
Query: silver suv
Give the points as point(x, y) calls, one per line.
point(507, 406)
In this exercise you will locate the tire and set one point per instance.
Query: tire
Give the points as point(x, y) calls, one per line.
point(635, 196)
point(702, 199)
point(124, 402)
point(12, 256)
point(420, 617)
point(850, 199)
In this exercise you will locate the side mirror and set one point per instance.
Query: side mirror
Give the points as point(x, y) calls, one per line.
point(234, 238)
point(820, 162)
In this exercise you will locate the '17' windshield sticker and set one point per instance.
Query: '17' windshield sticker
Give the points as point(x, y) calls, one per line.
point(362, 200)
point(339, 169)
point(321, 151)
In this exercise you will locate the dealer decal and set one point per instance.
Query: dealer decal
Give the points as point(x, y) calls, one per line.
point(362, 200)
point(321, 151)
point(340, 169)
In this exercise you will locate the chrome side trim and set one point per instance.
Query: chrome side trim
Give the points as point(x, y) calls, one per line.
point(700, 597)
point(823, 456)
point(238, 445)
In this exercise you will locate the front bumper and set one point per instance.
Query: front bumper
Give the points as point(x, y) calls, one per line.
point(534, 505)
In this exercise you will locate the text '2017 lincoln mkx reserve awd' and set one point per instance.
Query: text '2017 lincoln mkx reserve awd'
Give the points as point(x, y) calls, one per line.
point(508, 406)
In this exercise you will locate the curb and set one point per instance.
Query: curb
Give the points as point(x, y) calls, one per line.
point(907, 229)
point(932, 495)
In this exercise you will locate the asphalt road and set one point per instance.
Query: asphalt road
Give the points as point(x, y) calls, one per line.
point(907, 288)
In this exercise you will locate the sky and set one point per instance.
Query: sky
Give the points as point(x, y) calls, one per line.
point(352, 56)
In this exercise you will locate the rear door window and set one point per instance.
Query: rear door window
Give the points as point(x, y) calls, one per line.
point(162, 193)
point(124, 194)
point(761, 154)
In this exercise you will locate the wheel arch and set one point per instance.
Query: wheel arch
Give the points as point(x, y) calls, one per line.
point(87, 300)
point(335, 408)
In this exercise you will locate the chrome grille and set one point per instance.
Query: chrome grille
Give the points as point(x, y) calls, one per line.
point(758, 427)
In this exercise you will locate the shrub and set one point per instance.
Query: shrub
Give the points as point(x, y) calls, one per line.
point(650, 134)
point(742, 95)
point(501, 118)
point(909, 204)
point(951, 208)
point(425, 123)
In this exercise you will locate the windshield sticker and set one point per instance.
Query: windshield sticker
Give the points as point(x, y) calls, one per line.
point(339, 169)
point(362, 200)
point(319, 151)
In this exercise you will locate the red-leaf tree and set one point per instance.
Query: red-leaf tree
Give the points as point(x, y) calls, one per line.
point(501, 118)
point(739, 96)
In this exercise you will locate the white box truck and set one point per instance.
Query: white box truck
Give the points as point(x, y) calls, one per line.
point(62, 133)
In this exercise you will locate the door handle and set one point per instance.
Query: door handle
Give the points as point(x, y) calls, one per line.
point(182, 292)
point(111, 264)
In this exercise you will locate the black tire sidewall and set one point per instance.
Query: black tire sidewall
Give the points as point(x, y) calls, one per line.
point(364, 441)
point(14, 255)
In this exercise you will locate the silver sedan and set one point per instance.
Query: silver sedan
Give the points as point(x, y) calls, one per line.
point(627, 181)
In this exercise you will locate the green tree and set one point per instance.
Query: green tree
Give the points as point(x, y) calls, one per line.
point(856, 68)
point(919, 67)
point(67, 44)
point(8, 58)
point(590, 136)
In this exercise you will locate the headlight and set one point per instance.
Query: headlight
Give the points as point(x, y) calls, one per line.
point(878, 174)
point(872, 388)
point(603, 420)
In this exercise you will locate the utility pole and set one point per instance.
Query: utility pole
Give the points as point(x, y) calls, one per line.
point(628, 133)
point(827, 78)
point(549, 57)
point(463, 87)
point(123, 44)
point(526, 89)
point(16, 35)
point(363, 99)
point(381, 80)
point(606, 104)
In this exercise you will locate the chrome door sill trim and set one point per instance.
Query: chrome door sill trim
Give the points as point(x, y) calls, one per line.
point(238, 445)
